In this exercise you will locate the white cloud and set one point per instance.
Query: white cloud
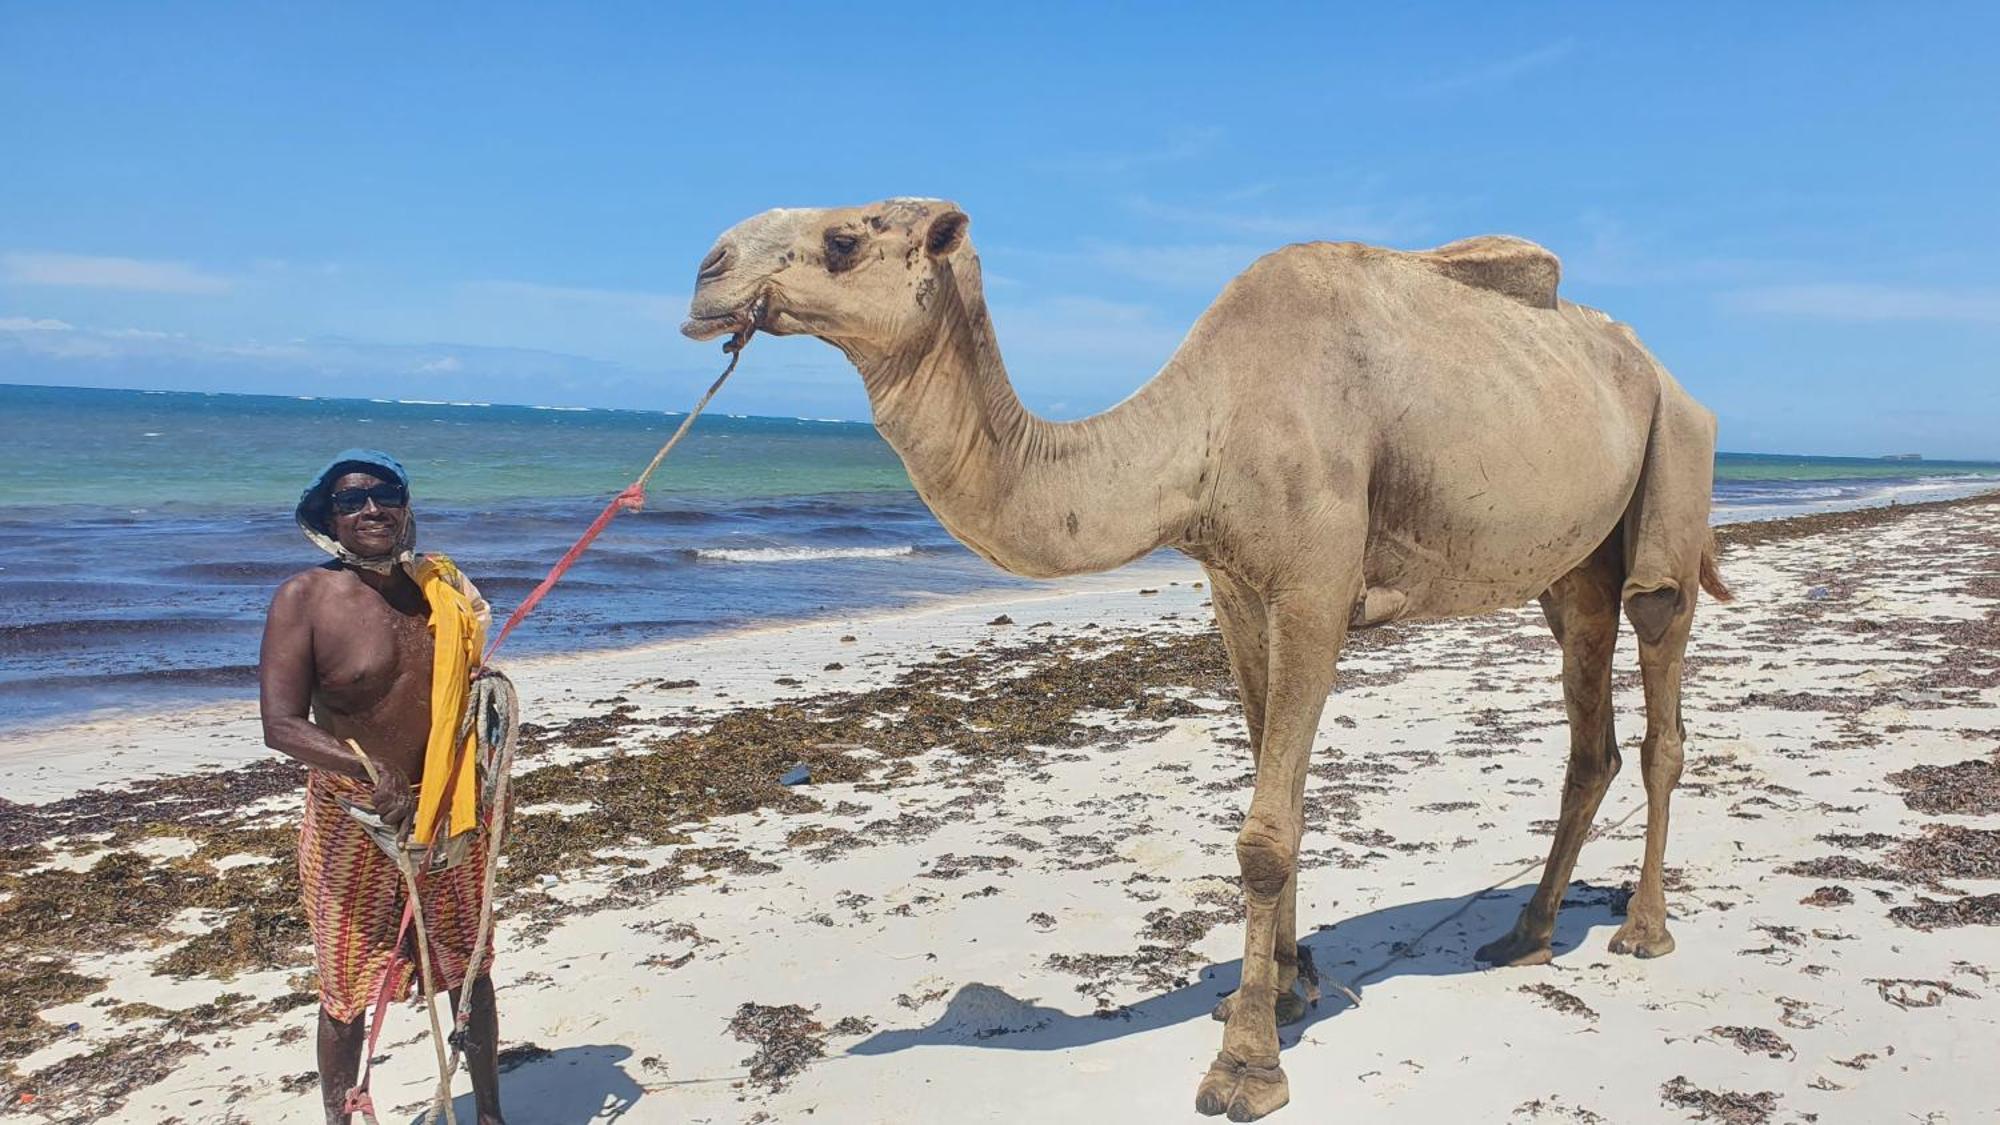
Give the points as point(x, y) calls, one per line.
point(92, 272)
point(31, 324)
point(1501, 72)
point(445, 365)
point(1864, 302)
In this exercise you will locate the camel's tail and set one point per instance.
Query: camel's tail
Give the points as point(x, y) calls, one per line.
point(1711, 574)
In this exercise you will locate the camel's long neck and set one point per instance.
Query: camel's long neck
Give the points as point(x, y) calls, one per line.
point(1036, 497)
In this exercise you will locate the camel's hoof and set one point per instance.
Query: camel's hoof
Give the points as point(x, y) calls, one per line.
point(1515, 949)
point(1212, 1099)
point(1244, 1092)
point(1642, 940)
point(1290, 1008)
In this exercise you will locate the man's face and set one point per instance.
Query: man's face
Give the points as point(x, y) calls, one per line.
point(373, 531)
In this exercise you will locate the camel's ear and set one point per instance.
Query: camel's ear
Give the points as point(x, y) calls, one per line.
point(946, 234)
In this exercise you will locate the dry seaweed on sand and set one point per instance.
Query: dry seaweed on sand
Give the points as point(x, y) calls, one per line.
point(1949, 851)
point(92, 1086)
point(28, 989)
point(1153, 967)
point(1564, 1002)
point(1755, 1041)
point(787, 1039)
point(1935, 914)
point(1906, 993)
point(1727, 1106)
point(1828, 896)
point(1969, 788)
point(521, 1054)
point(1756, 532)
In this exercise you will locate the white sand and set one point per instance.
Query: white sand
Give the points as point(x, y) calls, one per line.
point(971, 1020)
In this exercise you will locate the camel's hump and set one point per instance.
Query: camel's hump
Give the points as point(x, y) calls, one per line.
point(1513, 266)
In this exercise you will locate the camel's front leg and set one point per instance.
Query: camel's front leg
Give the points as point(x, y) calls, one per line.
point(1245, 1080)
point(1239, 613)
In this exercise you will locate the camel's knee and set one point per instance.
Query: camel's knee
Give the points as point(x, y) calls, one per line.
point(1267, 856)
point(1595, 771)
point(1663, 755)
point(1652, 613)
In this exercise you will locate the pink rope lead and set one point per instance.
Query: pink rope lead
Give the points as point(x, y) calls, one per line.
point(630, 500)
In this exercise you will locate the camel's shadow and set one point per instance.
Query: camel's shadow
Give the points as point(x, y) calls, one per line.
point(983, 1016)
point(570, 1085)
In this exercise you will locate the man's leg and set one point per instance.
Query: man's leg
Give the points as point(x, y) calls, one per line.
point(339, 1063)
point(482, 1054)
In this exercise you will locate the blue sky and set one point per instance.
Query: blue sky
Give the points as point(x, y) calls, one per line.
point(1793, 204)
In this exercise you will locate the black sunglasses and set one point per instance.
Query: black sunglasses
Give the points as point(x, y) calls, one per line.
point(348, 501)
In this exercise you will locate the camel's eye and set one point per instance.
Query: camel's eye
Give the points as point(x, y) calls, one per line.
point(843, 248)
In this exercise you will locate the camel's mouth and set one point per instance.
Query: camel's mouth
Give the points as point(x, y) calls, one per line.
point(741, 320)
point(709, 327)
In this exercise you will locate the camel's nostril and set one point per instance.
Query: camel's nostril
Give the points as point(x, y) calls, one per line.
point(714, 264)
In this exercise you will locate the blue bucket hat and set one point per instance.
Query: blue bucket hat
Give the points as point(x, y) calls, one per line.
point(315, 509)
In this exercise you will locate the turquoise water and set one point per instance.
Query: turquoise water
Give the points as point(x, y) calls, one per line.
point(141, 533)
point(135, 449)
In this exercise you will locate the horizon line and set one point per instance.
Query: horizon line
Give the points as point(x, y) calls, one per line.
point(1890, 458)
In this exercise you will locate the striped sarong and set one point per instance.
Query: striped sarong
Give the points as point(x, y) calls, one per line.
point(354, 896)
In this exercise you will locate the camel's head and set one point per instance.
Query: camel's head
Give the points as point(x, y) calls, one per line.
point(861, 278)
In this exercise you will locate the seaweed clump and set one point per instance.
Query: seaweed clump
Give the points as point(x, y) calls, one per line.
point(1726, 1106)
point(787, 1039)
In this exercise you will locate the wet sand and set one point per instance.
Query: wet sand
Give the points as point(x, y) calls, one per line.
point(1008, 891)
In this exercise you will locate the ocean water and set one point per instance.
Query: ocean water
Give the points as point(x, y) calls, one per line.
point(141, 533)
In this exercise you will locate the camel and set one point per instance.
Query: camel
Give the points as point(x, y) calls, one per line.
point(1349, 436)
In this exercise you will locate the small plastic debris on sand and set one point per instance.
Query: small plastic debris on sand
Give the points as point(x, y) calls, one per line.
point(550, 880)
point(797, 775)
point(1817, 594)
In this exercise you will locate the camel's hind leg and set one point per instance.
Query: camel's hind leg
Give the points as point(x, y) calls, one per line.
point(1582, 609)
point(1668, 554)
point(1662, 619)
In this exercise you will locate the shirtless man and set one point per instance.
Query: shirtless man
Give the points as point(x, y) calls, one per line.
point(348, 654)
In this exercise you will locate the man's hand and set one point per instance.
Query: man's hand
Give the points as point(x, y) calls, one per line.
point(393, 801)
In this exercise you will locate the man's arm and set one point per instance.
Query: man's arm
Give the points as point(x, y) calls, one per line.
point(285, 677)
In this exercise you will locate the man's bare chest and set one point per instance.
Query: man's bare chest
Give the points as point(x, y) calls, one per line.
point(365, 650)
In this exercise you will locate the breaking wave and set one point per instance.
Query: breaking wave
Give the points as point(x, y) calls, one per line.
point(799, 554)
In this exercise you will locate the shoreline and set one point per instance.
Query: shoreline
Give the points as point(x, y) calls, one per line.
point(33, 736)
point(1015, 854)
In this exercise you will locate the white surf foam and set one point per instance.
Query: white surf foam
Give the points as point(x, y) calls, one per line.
point(798, 554)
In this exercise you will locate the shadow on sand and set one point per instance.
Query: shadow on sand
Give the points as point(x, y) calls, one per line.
point(981, 1015)
point(567, 1087)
